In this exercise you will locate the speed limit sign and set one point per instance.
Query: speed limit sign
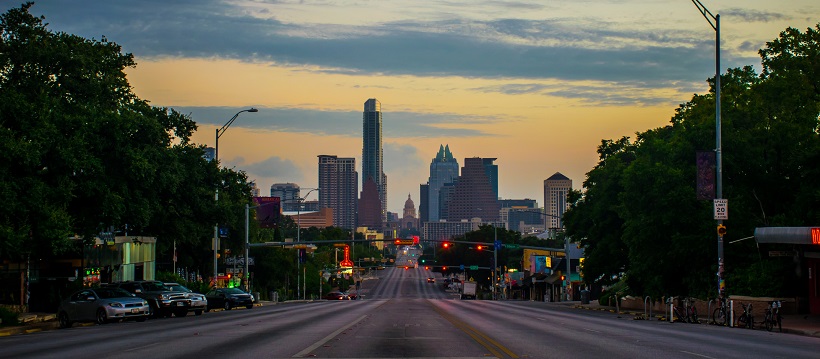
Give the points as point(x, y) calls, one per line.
point(721, 209)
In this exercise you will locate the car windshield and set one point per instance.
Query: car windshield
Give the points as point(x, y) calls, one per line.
point(233, 291)
point(154, 286)
point(107, 293)
point(177, 288)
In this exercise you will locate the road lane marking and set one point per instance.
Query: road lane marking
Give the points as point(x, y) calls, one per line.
point(696, 354)
point(490, 344)
point(142, 347)
point(324, 340)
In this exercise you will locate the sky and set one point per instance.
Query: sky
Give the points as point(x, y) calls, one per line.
point(536, 84)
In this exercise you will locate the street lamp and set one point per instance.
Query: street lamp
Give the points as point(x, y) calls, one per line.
point(219, 133)
point(718, 147)
point(298, 239)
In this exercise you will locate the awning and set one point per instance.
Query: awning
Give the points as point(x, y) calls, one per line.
point(788, 235)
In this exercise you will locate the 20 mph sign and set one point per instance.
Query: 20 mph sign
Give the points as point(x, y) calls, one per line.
point(721, 209)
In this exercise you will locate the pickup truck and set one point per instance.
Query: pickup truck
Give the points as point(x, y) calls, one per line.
point(468, 290)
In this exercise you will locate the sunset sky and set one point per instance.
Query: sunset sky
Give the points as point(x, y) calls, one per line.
point(535, 84)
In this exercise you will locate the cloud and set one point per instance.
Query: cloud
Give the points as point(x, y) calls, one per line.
point(749, 15)
point(404, 159)
point(274, 168)
point(339, 123)
point(564, 49)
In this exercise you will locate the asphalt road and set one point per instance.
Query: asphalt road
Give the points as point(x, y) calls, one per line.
point(402, 315)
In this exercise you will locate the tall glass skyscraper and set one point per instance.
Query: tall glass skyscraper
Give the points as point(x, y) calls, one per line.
point(372, 152)
point(443, 170)
point(339, 183)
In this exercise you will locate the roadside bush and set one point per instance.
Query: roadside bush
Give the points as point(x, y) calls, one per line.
point(8, 317)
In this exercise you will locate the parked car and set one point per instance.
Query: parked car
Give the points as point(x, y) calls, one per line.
point(163, 301)
point(198, 301)
point(336, 296)
point(101, 305)
point(228, 298)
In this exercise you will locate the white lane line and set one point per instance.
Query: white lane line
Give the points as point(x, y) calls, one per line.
point(142, 347)
point(324, 340)
point(592, 330)
point(696, 354)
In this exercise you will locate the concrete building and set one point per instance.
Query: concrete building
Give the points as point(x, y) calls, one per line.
point(370, 206)
point(372, 151)
point(339, 183)
point(289, 193)
point(443, 170)
point(473, 193)
point(446, 230)
point(556, 188)
point(322, 218)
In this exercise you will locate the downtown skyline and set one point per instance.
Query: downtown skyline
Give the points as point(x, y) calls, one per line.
point(535, 84)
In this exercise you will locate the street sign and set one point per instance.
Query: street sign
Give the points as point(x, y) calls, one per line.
point(511, 246)
point(473, 267)
point(497, 244)
point(461, 267)
point(721, 209)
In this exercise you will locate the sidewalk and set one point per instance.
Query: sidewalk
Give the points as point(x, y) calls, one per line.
point(800, 324)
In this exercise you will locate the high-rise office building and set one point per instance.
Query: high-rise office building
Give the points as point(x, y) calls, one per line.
point(288, 193)
point(339, 183)
point(424, 203)
point(370, 206)
point(443, 170)
point(556, 188)
point(473, 193)
point(372, 151)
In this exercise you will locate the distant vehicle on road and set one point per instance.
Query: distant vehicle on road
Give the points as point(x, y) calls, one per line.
point(336, 296)
point(431, 280)
point(101, 305)
point(198, 302)
point(468, 290)
point(228, 298)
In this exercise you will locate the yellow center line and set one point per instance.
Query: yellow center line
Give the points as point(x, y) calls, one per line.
point(477, 335)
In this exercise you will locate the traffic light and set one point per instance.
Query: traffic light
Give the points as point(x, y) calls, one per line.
point(444, 268)
point(479, 247)
point(721, 230)
point(446, 244)
point(426, 268)
point(563, 278)
point(397, 242)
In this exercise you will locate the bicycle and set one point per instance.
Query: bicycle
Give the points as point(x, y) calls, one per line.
point(773, 316)
point(687, 314)
point(746, 319)
point(720, 316)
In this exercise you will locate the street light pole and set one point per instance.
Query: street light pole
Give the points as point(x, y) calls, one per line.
point(718, 141)
point(298, 239)
point(219, 133)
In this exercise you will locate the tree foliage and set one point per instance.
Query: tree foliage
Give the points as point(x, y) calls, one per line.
point(81, 153)
point(638, 217)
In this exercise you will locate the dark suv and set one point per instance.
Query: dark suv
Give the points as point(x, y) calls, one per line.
point(163, 301)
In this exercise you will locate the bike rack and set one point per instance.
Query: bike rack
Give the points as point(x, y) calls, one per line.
point(646, 303)
point(709, 312)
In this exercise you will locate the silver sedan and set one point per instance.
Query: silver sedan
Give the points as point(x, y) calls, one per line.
point(101, 305)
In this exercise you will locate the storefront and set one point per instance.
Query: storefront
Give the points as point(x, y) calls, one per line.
point(805, 243)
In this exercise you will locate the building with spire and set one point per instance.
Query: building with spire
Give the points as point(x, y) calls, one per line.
point(372, 151)
point(409, 220)
point(556, 189)
point(443, 170)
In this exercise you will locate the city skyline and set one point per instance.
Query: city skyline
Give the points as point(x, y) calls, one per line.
point(535, 85)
